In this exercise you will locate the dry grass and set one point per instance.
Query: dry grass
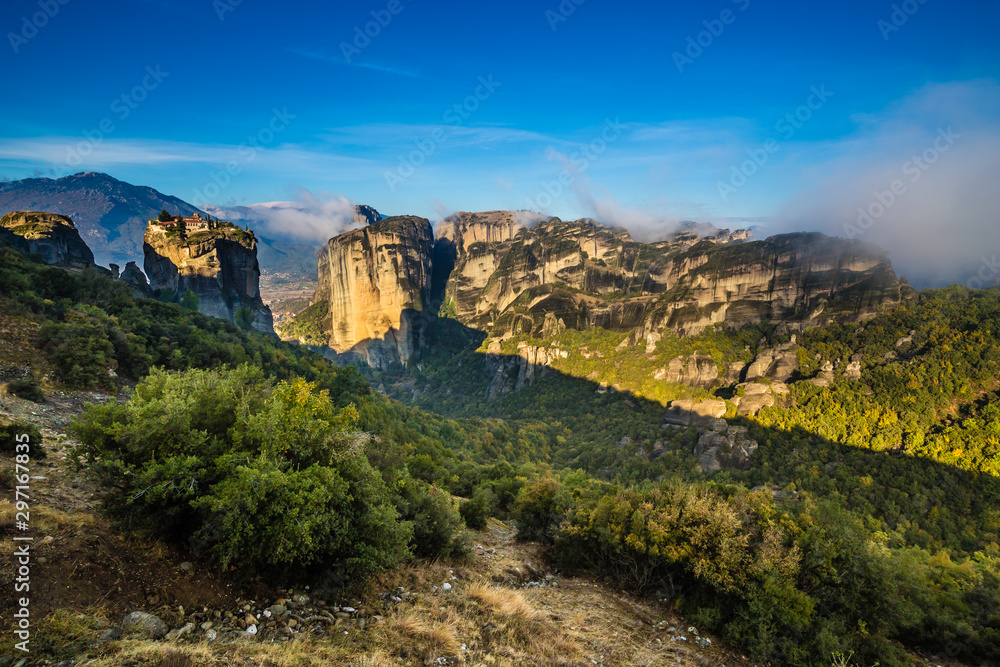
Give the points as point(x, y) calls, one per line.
point(503, 601)
point(432, 639)
point(301, 652)
point(49, 519)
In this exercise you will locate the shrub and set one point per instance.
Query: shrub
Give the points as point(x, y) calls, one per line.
point(28, 389)
point(266, 477)
point(9, 430)
point(190, 301)
point(479, 508)
point(80, 348)
point(244, 317)
point(538, 508)
point(435, 523)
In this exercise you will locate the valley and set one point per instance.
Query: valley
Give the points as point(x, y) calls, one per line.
point(775, 442)
point(512, 334)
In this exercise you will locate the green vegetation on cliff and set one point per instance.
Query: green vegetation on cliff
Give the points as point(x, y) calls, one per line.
point(307, 326)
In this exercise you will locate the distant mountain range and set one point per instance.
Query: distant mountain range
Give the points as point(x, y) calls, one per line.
point(110, 214)
point(111, 217)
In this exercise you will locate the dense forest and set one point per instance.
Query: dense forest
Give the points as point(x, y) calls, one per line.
point(866, 522)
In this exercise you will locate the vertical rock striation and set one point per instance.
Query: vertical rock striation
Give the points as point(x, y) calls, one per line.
point(375, 282)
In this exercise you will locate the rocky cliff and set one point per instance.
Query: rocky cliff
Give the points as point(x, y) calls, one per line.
point(466, 252)
point(799, 280)
point(498, 276)
point(50, 235)
point(219, 266)
point(508, 280)
point(375, 282)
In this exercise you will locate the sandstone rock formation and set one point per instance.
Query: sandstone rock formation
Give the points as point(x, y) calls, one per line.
point(366, 215)
point(514, 372)
point(219, 266)
point(758, 395)
point(499, 276)
point(136, 279)
point(800, 280)
point(50, 235)
point(687, 411)
point(722, 444)
point(503, 277)
point(466, 251)
point(375, 282)
point(693, 371)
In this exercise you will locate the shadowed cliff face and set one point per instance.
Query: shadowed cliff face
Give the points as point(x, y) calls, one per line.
point(51, 235)
point(376, 283)
point(219, 267)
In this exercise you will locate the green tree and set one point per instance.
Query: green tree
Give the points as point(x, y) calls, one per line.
point(164, 216)
point(244, 317)
point(190, 301)
point(266, 477)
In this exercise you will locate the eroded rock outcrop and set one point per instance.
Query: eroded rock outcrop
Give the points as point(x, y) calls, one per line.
point(466, 251)
point(51, 235)
point(136, 279)
point(724, 445)
point(376, 283)
point(688, 412)
point(366, 215)
point(799, 280)
point(507, 278)
point(694, 371)
point(517, 371)
point(219, 266)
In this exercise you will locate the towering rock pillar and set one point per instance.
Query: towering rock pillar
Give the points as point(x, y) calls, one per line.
point(375, 282)
point(219, 266)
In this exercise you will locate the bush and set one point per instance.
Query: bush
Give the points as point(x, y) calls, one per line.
point(9, 430)
point(190, 301)
point(538, 509)
point(244, 318)
point(266, 477)
point(479, 508)
point(28, 389)
point(435, 523)
point(80, 348)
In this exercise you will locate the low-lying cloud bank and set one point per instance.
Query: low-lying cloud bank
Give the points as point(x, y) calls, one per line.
point(921, 181)
point(311, 218)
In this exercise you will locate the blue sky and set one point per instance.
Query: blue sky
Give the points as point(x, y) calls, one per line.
point(558, 76)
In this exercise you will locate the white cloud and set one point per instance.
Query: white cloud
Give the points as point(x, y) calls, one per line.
point(945, 216)
point(311, 217)
point(66, 155)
